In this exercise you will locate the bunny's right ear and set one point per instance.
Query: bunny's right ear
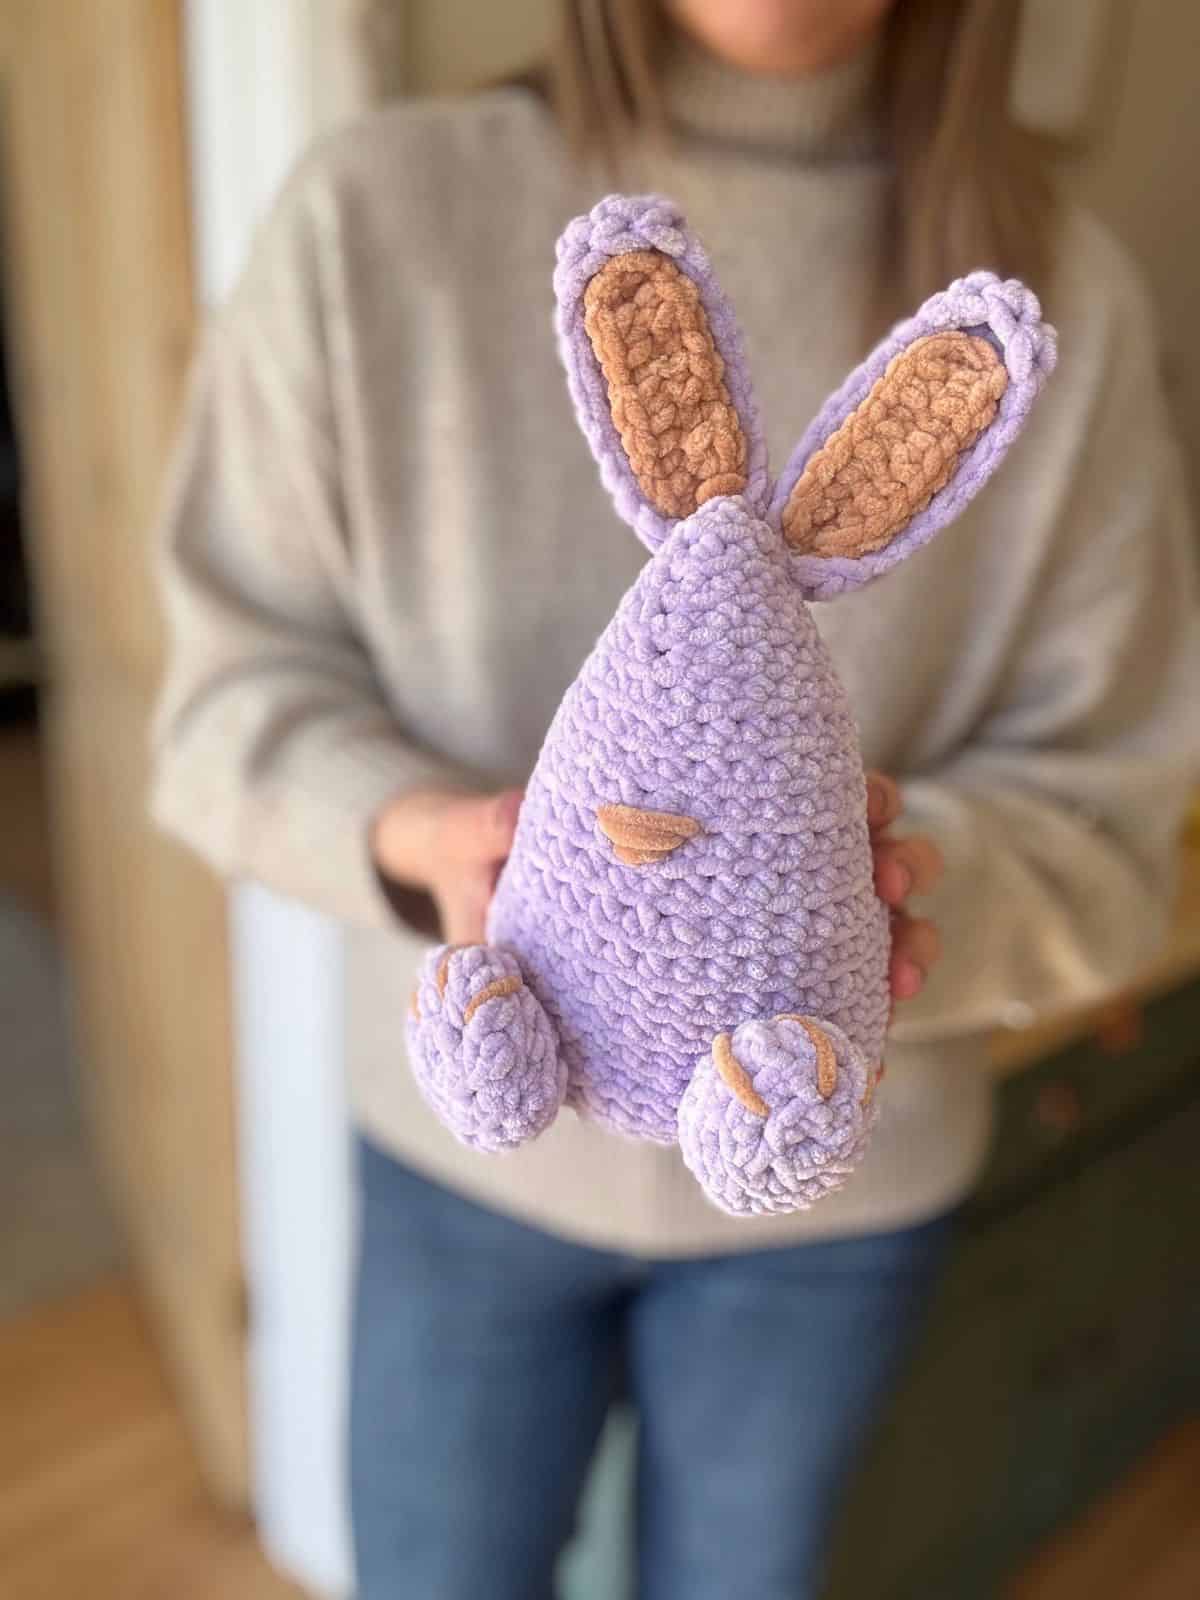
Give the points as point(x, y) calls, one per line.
point(913, 434)
point(655, 366)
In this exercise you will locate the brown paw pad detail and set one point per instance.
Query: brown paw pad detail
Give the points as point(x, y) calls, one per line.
point(827, 1074)
point(639, 838)
point(443, 971)
point(736, 1078)
point(492, 991)
point(484, 1054)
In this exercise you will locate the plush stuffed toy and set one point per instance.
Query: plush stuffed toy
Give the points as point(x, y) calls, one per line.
point(685, 942)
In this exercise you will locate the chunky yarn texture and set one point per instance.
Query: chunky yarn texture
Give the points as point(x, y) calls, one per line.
point(685, 943)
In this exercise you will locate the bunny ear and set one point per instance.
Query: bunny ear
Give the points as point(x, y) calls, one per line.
point(913, 434)
point(655, 365)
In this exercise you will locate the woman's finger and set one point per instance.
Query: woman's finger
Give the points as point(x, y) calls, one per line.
point(916, 946)
point(905, 980)
point(883, 801)
point(480, 827)
point(464, 913)
point(904, 867)
point(916, 939)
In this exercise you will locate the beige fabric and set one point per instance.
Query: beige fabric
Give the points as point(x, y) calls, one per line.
point(386, 552)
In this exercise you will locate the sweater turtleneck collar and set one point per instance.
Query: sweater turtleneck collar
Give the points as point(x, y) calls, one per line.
point(830, 115)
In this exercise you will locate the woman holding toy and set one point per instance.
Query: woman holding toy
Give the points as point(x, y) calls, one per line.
point(386, 557)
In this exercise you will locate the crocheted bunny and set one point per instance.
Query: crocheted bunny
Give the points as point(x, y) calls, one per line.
point(685, 942)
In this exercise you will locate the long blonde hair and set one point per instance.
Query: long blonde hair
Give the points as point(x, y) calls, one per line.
point(969, 187)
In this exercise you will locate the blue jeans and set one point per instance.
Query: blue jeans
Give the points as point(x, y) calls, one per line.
point(486, 1354)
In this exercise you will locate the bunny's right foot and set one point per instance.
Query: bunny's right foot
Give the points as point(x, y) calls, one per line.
point(484, 1053)
point(777, 1115)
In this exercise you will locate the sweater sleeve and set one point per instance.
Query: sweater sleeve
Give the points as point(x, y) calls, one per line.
point(274, 747)
point(1059, 819)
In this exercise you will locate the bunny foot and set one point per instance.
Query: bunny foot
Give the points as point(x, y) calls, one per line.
point(777, 1115)
point(484, 1053)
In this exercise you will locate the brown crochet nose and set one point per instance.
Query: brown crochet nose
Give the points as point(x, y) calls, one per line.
point(642, 837)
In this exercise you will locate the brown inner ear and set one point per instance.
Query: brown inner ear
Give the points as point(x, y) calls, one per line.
point(665, 378)
point(898, 448)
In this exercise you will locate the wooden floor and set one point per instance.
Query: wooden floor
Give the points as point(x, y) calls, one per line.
point(25, 870)
point(99, 1495)
point(1142, 1543)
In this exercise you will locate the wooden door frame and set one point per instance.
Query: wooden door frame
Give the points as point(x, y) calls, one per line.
point(101, 316)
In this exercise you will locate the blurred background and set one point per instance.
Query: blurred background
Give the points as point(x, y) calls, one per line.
point(175, 1217)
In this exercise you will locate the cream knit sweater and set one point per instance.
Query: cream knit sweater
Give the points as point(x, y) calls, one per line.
point(386, 553)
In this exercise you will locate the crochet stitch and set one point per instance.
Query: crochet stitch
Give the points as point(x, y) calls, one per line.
point(685, 942)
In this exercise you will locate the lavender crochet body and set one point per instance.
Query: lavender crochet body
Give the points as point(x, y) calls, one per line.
point(685, 943)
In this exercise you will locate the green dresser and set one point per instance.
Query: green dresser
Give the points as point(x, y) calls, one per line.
point(1067, 1333)
point(1065, 1338)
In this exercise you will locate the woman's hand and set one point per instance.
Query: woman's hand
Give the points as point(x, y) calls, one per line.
point(452, 845)
point(903, 867)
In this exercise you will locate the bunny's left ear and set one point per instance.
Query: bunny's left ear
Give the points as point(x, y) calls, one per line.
point(913, 434)
point(655, 366)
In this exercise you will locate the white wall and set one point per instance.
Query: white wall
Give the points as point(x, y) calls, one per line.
point(264, 76)
point(1140, 174)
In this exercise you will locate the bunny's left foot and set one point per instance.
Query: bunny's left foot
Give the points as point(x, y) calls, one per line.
point(484, 1053)
point(777, 1115)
